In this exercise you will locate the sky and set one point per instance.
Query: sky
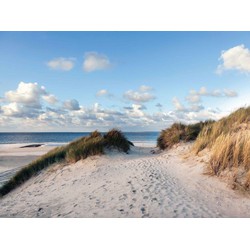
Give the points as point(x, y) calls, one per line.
point(134, 81)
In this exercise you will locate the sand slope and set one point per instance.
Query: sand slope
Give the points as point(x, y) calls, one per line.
point(118, 185)
point(13, 157)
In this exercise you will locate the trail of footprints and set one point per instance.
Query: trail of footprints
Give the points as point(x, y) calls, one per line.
point(156, 193)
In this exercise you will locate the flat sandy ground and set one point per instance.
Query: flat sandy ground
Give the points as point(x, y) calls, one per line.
point(138, 184)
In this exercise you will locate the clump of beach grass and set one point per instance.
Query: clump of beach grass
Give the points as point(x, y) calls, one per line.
point(179, 132)
point(228, 141)
point(115, 139)
point(235, 121)
point(94, 144)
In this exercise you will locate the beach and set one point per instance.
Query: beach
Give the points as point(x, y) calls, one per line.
point(146, 183)
point(15, 156)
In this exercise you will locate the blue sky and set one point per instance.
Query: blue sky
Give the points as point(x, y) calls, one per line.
point(136, 81)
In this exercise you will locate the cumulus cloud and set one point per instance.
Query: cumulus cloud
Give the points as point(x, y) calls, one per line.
point(71, 105)
point(25, 101)
point(26, 93)
point(94, 61)
point(61, 63)
point(51, 99)
point(19, 110)
point(142, 95)
point(195, 96)
point(236, 58)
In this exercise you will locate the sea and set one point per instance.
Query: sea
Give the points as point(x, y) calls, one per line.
point(61, 138)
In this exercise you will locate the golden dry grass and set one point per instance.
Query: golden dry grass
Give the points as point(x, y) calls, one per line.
point(229, 143)
point(179, 132)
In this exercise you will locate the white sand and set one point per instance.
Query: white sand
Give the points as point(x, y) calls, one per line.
point(13, 157)
point(139, 184)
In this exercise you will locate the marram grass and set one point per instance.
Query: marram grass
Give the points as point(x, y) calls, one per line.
point(179, 132)
point(229, 143)
point(82, 148)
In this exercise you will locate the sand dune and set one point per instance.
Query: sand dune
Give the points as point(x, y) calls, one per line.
point(15, 156)
point(139, 184)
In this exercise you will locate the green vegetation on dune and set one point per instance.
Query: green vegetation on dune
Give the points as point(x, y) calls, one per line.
point(179, 132)
point(94, 144)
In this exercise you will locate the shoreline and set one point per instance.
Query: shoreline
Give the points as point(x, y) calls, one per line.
point(15, 156)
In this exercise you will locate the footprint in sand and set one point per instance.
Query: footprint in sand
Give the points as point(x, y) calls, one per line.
point(123, 197)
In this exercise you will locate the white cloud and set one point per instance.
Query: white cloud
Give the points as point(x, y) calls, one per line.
point(61, 63)
point(142, 95)
point(178, 105)
point(14, 109)
point(71, 105)
point(51, 99)
point(11, 109)
point(26, 93)
point(195, 96)
point(104, 92)
point(94, 61)
point(138, 97)
point(135, 111)
point(236, 58)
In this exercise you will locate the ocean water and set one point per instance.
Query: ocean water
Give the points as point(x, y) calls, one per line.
point(60, 138)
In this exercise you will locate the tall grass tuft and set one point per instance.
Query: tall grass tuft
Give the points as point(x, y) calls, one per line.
point(229, 143)
point(179, 132)
point(84, 148)
point(210, 132)
point(116, 139)
point(94, 144)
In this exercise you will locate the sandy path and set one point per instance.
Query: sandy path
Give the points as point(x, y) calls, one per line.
point(118, 185)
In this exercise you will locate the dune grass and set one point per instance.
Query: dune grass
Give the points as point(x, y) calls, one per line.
point(179, 132)
point(225, 126)
point(115, 139)
point(94, 144)
point(229, 143)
